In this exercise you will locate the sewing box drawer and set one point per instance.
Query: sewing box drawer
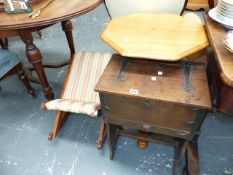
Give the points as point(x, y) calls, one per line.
point(163, 118)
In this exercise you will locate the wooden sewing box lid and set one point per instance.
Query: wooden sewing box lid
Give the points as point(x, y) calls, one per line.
point(156, 80)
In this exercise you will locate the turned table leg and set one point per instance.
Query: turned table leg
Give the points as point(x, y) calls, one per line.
point(35, 58)
point(67, 27)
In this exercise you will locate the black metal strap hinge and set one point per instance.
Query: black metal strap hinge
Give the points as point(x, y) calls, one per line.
point(187, 72)
point(124, 64)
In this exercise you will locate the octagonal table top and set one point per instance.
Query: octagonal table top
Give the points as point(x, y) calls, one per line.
point(167, 37)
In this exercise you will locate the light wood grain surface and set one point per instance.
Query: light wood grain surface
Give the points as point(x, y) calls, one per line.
point(57, 11)
point(223, 57)
point(167, 37)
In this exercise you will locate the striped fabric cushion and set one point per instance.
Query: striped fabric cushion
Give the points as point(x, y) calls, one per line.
point(74, 106)
point(85, 72)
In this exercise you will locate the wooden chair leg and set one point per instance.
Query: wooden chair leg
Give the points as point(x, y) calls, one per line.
point(60, 120)
point(22, 76)
point(102, 135)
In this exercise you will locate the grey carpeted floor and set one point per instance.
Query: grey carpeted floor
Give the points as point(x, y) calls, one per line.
point(25, 150)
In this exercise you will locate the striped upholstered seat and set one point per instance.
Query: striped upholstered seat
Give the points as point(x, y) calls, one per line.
point(79, 95)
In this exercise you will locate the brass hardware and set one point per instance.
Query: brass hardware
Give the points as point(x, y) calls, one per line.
point(147, 104)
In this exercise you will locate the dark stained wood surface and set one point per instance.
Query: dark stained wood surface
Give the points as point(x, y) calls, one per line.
point(212, 3)
point(223, 56)
point(168, 87)
point(164, 118)
point(57, 11)
point(220, 66)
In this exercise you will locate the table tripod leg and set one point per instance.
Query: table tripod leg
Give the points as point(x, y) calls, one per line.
point(35, 58)
point(67, 27)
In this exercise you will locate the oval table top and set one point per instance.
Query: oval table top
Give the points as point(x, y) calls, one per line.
point(57, 11)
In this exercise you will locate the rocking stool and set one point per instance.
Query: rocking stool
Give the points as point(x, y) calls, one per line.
point(78, 95)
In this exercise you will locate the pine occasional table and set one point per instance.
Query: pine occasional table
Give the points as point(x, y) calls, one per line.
point(59, 11)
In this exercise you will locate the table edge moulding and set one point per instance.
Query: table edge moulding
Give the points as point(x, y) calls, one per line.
point(46, 18)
